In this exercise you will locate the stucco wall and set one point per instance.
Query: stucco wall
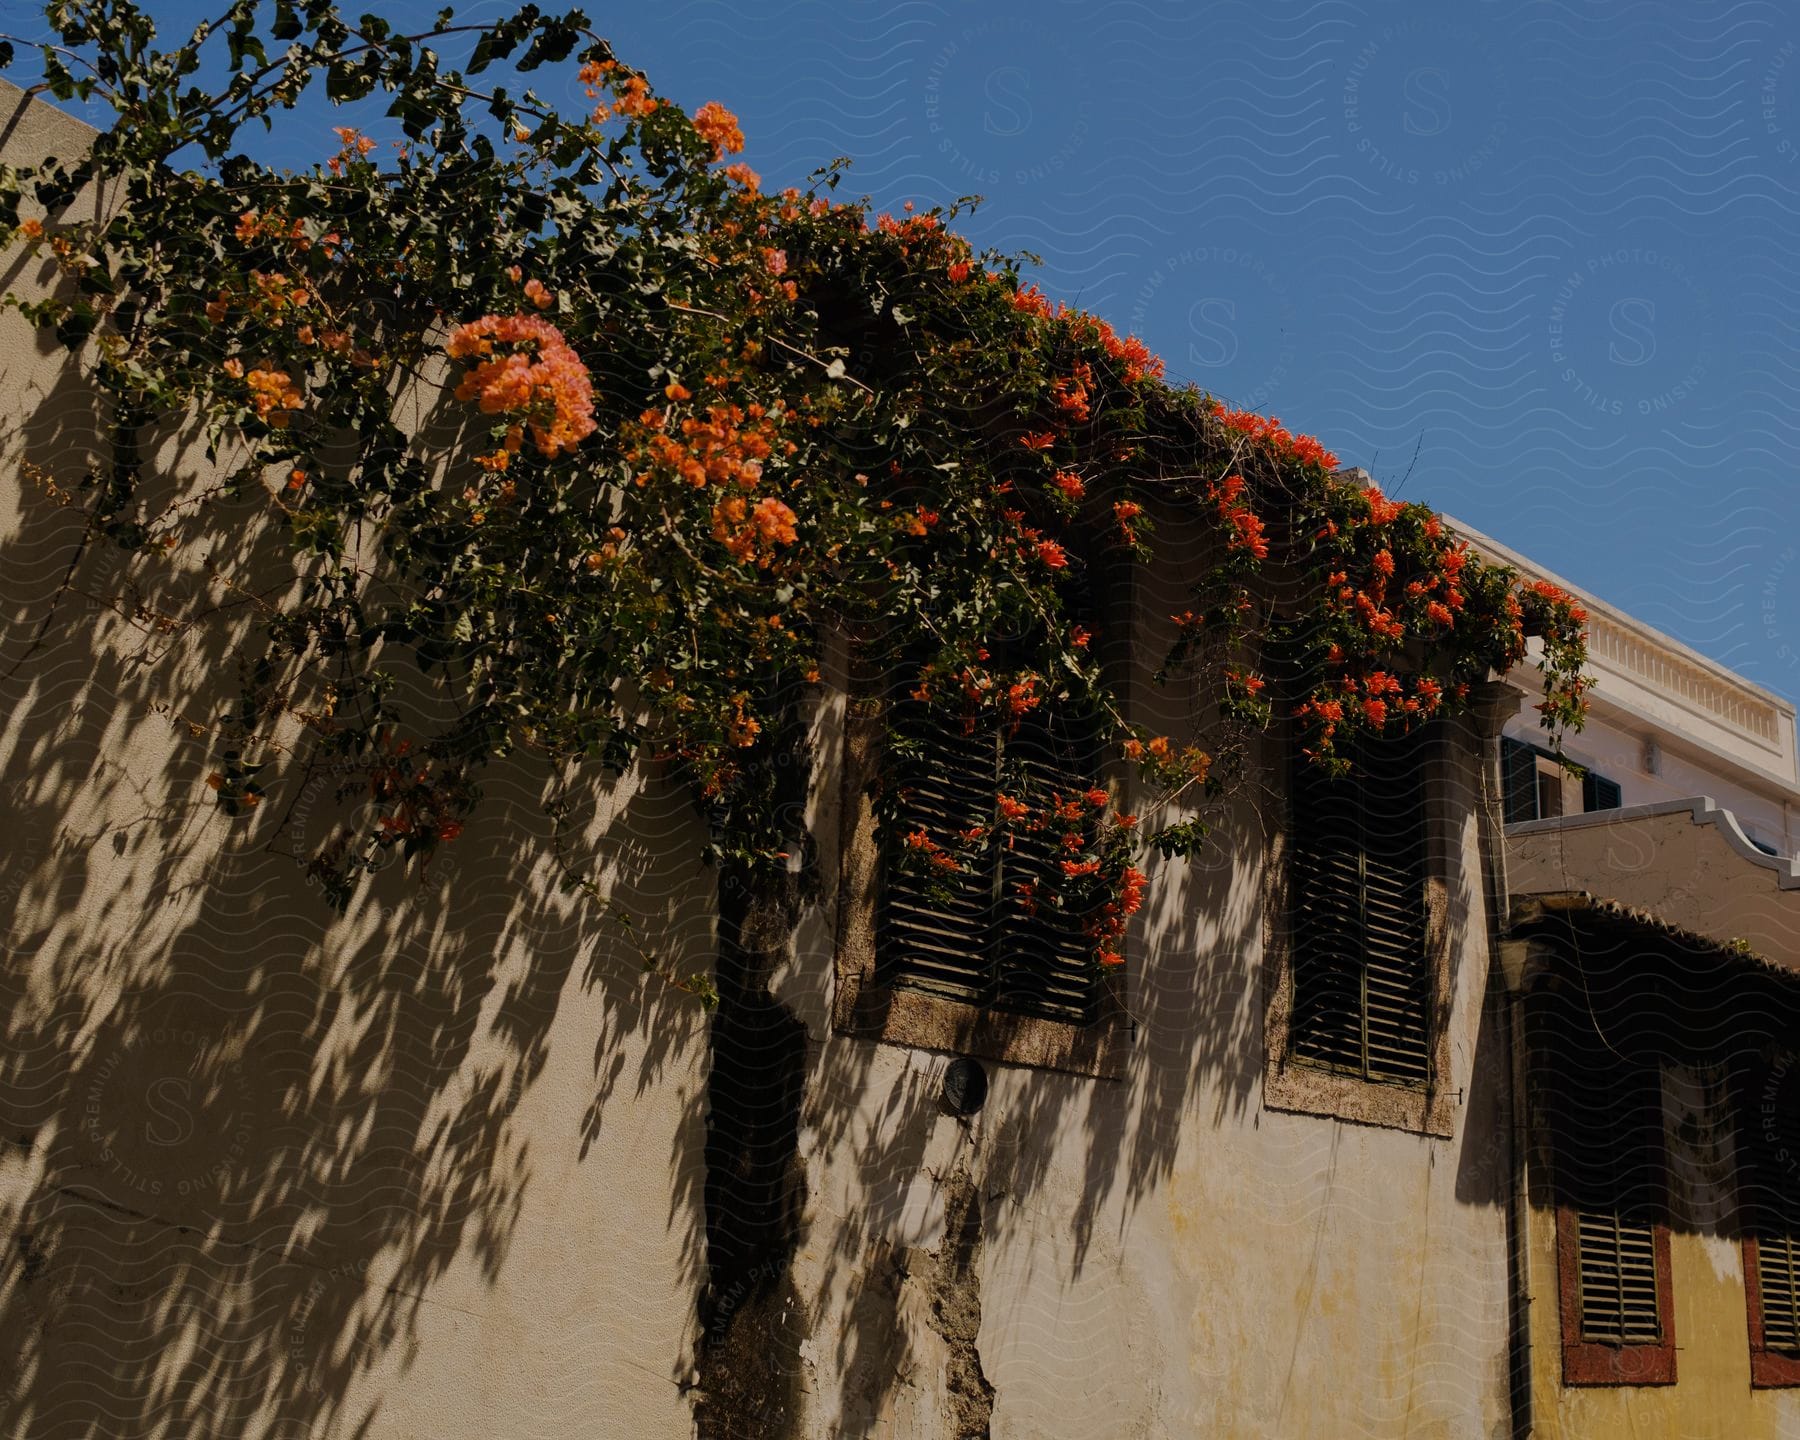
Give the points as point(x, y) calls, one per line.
point(428, 1170)
point(434, 1169)
point(1680, 862)
point(1163, 1255)
point(1712, 1398)
point(1614, 746)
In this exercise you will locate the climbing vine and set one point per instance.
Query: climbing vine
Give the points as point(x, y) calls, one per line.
point(568, 411)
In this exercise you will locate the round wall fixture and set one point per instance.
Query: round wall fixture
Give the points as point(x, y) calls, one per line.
point(965, 1086)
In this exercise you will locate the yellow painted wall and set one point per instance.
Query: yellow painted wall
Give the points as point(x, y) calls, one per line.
point(1712, 1398)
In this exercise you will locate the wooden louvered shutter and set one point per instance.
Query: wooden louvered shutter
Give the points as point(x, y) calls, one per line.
point(1618, 1280)
point(1361, 971)
point(1778, 1279)
point(1768, 1139)
point(937, 933)
point(1518, 765)
point(1044, 964)
point(1599, 793)
point(968, 937)
point(1609, 1169)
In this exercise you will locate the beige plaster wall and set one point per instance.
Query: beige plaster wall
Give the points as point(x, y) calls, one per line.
point(433, 1169)
point(1163, 1255)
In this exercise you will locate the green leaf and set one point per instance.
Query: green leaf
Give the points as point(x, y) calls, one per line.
point(76, 324)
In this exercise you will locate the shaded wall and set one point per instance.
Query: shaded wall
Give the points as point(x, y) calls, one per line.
point(430, 1169)
point(436, 1168)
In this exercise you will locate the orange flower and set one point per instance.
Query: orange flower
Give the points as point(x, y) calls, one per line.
point(1052, 554)
point(719, 128)
point(274, 396)
point(32, 229)
point(353, 139)
point(774, 522)
point(538, 295)
point(539, 378)
point(635, 102)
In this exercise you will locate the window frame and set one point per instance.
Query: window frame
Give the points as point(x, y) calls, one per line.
point(1597, 1363)
point(1769, 1369)
point(1594, 793)
point(867, 1006)
point(1295, 1084)
point(1591, 1363)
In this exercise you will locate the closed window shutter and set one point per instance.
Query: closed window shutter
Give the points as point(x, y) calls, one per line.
point(1618, 1280)
point(1768, 1139)
point(1778, 1274)
point(1608, 1167)
point(937, 931)
point(970, 936)
point(1045, 963)
point(1361, 973)
point(1518, 764)
point(1599, 793)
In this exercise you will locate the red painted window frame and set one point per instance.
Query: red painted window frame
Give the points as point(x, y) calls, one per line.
point(1592, 1362)
point(1769, 1369)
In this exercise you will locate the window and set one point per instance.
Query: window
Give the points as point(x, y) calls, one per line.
point(958, 962)
point(1768, 1145)
point(1549, 790)
point(1608, 1169)
point(1361, 979)
point(972, 937)
point(1534, 784)
point(1357, 947)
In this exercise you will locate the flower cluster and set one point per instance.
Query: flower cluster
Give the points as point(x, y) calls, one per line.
point(254, 226)
point(719, 128)
point(725, 445)
point(753, 534)
point(273, 394)
point(354, 146)
point(1269, 432)
point(1243, 527)
point(1131, 355)
point(537, 382)
point(631, 93)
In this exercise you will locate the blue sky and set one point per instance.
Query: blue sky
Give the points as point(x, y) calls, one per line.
point(1531, 263)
